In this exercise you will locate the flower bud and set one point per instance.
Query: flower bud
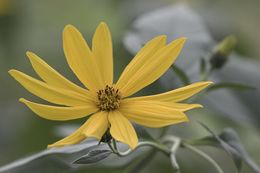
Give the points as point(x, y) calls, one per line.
point(222, 51)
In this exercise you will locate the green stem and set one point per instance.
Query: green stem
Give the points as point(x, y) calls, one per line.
point(204, 155)
point(181, 74)
point(175, 142)
point(206, 75)
point(111, 147)
point(114, 144)
point(158, 146)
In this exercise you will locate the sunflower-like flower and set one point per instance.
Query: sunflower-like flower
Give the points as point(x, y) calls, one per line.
point(107, 103)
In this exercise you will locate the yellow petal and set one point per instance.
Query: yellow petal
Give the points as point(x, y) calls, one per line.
point(154, 68)
point(51, 76)
point(73, 138)
point(144, 55)
point(60, 113)
point(103, 52)
point(80, 58)
point(172, 105)
point(177, 95)
point(151, 113)
point(97, 125)
point(49, 93)
point(122, 130)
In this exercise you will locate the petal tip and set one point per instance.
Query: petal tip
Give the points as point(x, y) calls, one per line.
point(68, 27)
point(23, 100)
point(102, 23)
point(198, 106)
point(28, 53)
point(182, 40)
point(12, 72)
point(207, 83)
point(163, 37)
point(103, 27)
point(210, 82)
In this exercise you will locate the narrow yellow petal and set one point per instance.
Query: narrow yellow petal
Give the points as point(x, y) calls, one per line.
point(103, 52)
point(154, 68)
point(73, 138)
point(49, 93)
point(177, 95)
point(97, 125)
point(122, 130)
point(60, 113)
point(143, 56)
point(152, 113)
point(80, 58)
point(51, 76)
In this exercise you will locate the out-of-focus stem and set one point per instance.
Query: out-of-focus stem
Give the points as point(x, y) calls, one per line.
point(204, 155)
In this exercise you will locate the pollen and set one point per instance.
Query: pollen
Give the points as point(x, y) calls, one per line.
point(108, 99)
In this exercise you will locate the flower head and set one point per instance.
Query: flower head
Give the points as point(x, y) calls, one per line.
point(107, 103)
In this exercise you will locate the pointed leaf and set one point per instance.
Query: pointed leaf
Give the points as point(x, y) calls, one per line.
point(93, 157)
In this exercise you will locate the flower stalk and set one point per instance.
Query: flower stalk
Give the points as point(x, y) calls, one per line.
point(203, 155)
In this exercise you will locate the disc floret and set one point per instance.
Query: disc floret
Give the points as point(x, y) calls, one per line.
point(108, 98)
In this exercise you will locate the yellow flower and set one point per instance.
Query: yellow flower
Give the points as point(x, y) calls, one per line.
point(108, 104)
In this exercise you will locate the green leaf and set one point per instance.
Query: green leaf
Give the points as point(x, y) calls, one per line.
point(236, 156)
point(234, 86)
point(62, 155)
point(93, 156)
point(181, 74)
point(230, 136)
point(229, 141)
point(208, 140)
point(60, 159)
point(142, 133)
point(202, 66)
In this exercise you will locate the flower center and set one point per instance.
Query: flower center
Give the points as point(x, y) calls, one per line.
point(108, 99)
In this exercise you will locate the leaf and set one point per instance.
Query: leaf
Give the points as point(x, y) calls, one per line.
point(229, 141)
point(230, 136)
point(93, 156)
point(202, 66)
point(181, 20)
point(62, 155)
point(234, 86)
point(142, 133)
point(181, 74)
point(60, 159)
point(222, 144)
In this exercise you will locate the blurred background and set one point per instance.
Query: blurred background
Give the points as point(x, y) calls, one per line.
point(37, 26)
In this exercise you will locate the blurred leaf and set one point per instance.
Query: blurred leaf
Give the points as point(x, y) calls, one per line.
point(208, 140)
point(230, 136)
point(229, 149)
point(202, 66)
point(93, 156)
point(136, 165)
point(174, 21)
point(143, 135)
point(64, 155)
point(60, 159)
point(181, 74)
point(229, 141)
point(181, 20)
point(235, 86)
